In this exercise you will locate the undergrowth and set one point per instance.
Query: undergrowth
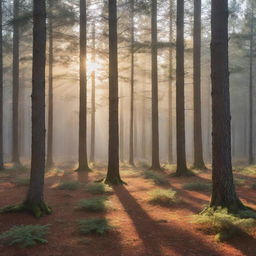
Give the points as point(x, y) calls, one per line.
point(224, 225)
point(196, 186)
point(25, 235)
point(165, 197)
point(98, 188)
point(98, 226)
point(69, 185)
point(158, 178)
point(96, 204)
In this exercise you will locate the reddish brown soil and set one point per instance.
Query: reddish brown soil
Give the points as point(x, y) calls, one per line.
point(142, 229)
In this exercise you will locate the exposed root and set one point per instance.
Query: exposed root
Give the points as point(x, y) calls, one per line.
point(37, 210)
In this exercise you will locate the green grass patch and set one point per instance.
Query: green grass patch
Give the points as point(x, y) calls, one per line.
point(239, 181)
point(197, 186)
point(96, 204)
point(224, 225)
point(164, 197)
point(254, 186)
point(98, 188)
point(22, 181)
point(158, 178)
point(25, 235)
point(249, 170)
point(98, 226)
point(69, 185)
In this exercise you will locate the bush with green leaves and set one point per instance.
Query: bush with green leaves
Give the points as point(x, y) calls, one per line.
point(98, 188)
point(224, 225)
point(96, 204)
point(196, 186)
point(165, 197)
point(98, 226)
point(157, 177)
point(70, 185)
point(25, 235)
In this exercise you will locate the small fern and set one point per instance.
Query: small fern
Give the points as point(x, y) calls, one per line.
point(98, 226)
point(25, 235)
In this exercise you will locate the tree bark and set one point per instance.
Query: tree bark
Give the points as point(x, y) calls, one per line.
point(170, 129)
point(83, 162)
point(93, 106)
point(49, 161)
point(180, 98)
point(223, 193)
point(35, 196)
point(154, 81)
point(113, 175)
point(251, 153)
point(198, 144)
point(1, 87)
point(15, 76)
point(131, 155)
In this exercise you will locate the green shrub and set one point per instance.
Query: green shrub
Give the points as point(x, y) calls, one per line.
point(97, 188)
point(158, 178)
point(22, 181)
point(196, 186)
point(98, 226)
point(224, 225)
point(96, 204)
point(25, 236)
point(165, 197)
point(69, 185)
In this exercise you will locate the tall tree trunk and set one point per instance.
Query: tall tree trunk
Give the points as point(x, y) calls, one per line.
point(223, 193)
point(170, 130)
point(83, 162)
point(92, 155)
point(143, 119)
point(251, 156)
point(15, 77)
point(154, 81)
point(198, 144)
point(121, 121)
point(49, 161)
point(131, 156)
point(180, 97)
point(113, 175)
point(1, 88)
point(35, 196)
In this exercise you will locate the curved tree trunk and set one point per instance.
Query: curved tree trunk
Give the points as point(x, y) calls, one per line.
point(154, 74)
point(49, 161)
point(180, 98)
point(131, 156)
point(223, 193)
point(83, 162)
point(1, 88)
point(15, 76)
point(113, 175)
point(198, 144)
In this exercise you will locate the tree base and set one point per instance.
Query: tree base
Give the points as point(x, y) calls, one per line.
point(199, 166)
point(114, 181)
point(37, 210)
point(86, 169)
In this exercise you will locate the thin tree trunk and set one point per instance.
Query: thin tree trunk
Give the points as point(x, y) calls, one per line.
point(121, 121)
point(83, 162)
point(113, 175)
point(92, 155)
point(35, 196)
point(170, 129)
point(131, 156)
point(15, 103)
point(251, 154)
point(198, 144)
point(154, 74)
point(223, 193)
point(180, 98)
point(143, 119)
point(1, 88)
point(49, 161)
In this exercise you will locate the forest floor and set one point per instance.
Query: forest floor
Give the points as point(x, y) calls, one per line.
point(141, 229)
